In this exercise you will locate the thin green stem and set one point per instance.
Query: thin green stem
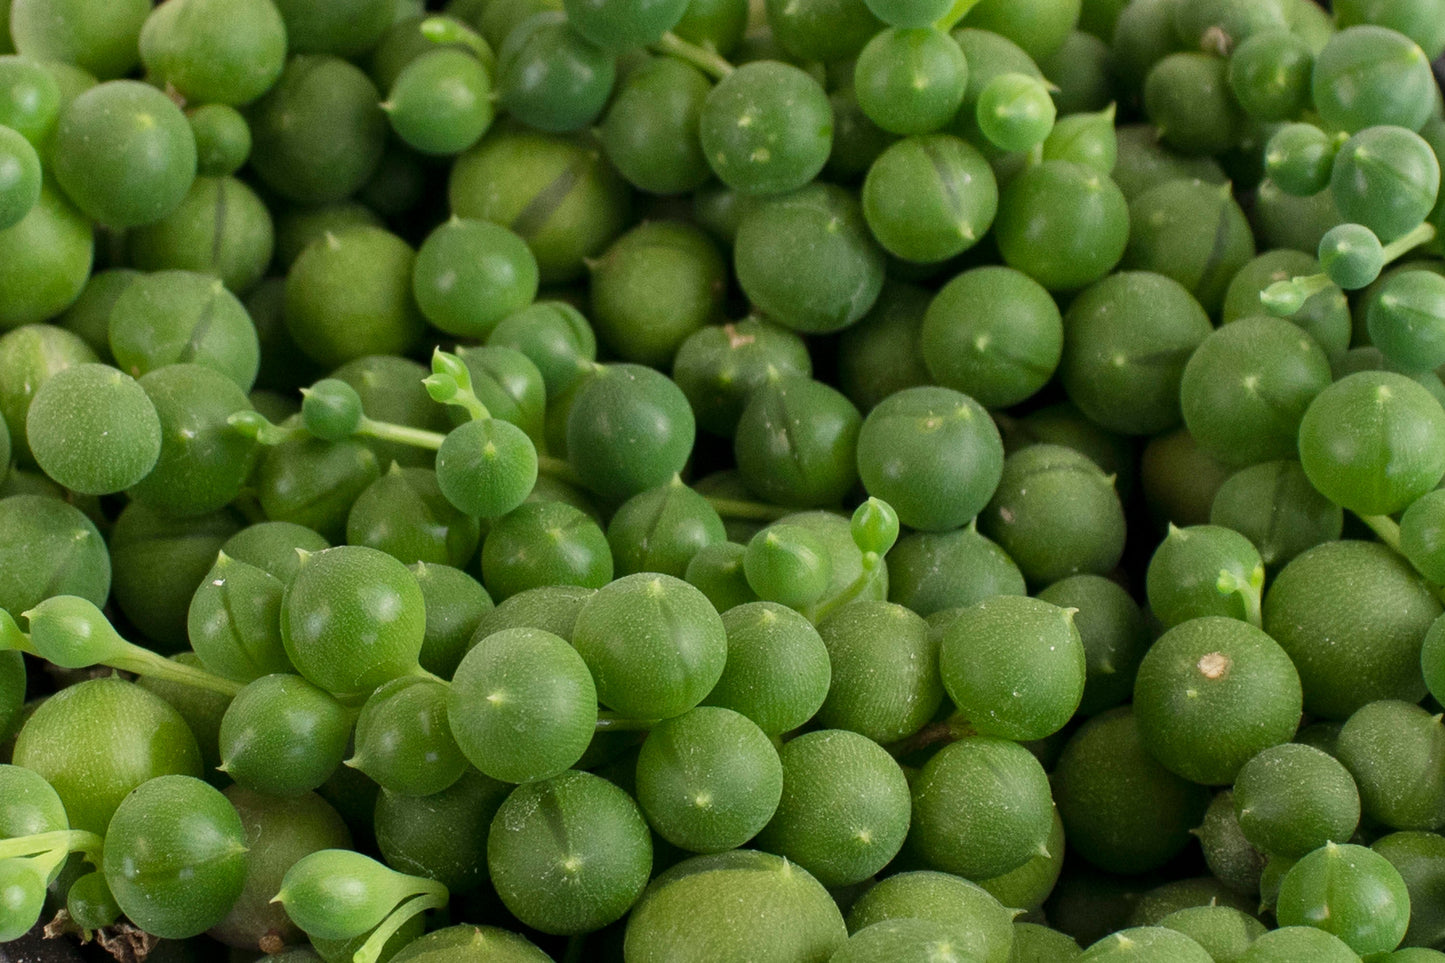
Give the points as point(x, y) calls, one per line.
point(11, 638)
point(576, 950)
point(422, 673)
point(957, 12)
point(700, 57)
point(126, 656)
point(61, 840)
point(253, 424)
point(1313, 284)
point(49, 862)
point(612, 722)
point(22, 846)
point(89, 845)
point(1250, 592)
point(450, 383)
point(445, 30)
point(402, 434)
point(1284, 298)
point(1422, 234)
point(1253, 613)
point(755, 511)
point(445, 390)
point(854, 589)
point(1388, 532)
point(143, 661)
point(1385, 528)
point(370, 951)
point(472, 405)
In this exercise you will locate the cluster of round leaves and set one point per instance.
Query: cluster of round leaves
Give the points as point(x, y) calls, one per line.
point(537, 660)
